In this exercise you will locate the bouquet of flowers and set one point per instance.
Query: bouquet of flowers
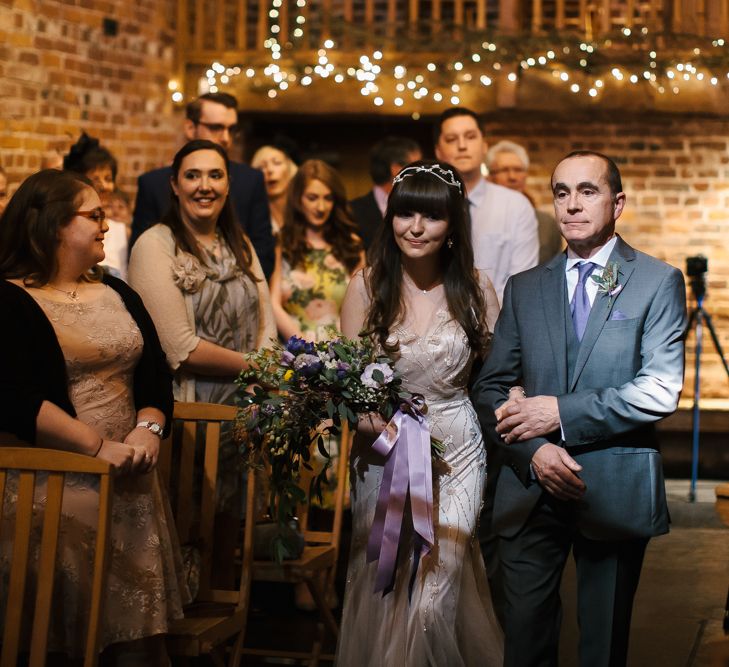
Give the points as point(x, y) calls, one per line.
point(303, 393)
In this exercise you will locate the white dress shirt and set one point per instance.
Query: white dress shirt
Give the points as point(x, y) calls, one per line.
point(504, 231)
point(600, 260)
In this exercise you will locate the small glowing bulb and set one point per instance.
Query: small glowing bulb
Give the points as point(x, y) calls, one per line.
point(564, 76)
point(575, 88)
point(455, 100)
point(272, 93)
point(512, 76)
point(437, 97)
point(592, 92)
point(177, 96)
point(328, 44)
point(398, 101)
point(431, 67)
point(378, 101)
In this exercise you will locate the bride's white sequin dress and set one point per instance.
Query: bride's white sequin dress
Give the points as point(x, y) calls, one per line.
point(449, 619)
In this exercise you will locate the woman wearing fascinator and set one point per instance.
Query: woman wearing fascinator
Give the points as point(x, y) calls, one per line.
point(424, 599)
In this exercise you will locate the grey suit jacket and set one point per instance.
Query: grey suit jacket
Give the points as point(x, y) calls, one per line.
point(628, 374)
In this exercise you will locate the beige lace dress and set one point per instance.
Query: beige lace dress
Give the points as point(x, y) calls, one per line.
point(102, 344)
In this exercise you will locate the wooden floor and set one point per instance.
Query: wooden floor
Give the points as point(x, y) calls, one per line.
point(678, 610)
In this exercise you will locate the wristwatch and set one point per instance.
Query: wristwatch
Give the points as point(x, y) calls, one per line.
point(154, 427)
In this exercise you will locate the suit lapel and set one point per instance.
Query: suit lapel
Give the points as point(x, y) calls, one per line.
point(624, 255)
point(554, 302)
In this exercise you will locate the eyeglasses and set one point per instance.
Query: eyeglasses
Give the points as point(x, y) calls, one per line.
point(98, 215)
point(219, 128)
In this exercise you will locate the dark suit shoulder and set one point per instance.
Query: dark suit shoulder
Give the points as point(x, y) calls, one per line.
point(155, 176)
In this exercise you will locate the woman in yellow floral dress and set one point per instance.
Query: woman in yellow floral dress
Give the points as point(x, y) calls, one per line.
point(318, 253)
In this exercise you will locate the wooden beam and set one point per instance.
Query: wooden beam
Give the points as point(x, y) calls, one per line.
point(481, 17)
point(536, 16)
point(677, 16)
point(559, 15)
point(606, 23)
point(413, 11)
point(458, 12)
point(199, 24)
point(241, 25)
point(219, 23)
point(261, 25)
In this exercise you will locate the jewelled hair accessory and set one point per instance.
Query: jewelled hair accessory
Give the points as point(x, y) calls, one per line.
point(445, 175)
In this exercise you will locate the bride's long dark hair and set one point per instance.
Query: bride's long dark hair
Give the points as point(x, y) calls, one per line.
point(426, 192)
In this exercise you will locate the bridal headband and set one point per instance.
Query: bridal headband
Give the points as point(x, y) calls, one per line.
point(445, 175)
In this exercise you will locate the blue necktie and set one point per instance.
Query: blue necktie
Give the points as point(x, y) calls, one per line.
point(580, 306)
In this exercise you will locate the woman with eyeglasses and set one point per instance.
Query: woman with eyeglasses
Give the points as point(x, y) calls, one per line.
point(88, 158)
point(83, 371)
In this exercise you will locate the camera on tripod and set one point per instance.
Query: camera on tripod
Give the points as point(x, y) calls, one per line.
point(696, 268)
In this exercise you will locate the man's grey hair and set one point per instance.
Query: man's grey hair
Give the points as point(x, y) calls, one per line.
point(507, 147)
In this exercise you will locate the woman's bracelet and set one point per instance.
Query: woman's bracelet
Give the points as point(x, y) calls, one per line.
point(98, 449)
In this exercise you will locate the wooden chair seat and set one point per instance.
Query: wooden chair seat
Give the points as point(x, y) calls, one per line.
point(291, 571)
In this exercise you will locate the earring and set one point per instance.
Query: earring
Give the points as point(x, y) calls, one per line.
point(449, 242)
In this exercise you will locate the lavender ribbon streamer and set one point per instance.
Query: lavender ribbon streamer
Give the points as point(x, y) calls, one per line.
point(408, 466)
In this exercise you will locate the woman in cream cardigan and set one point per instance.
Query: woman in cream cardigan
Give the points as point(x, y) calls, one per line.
point(202, 283)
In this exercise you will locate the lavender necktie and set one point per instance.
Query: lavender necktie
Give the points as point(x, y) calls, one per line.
point(580, 306)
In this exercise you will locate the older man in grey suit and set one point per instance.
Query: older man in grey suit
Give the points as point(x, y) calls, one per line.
point(595, 336)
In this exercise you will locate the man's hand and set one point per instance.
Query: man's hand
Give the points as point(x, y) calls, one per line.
point(556, 472)
point(524, 418)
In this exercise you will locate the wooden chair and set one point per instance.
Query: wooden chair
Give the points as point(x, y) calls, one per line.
point(29, 461)
point(317, 563)
point(217, 615)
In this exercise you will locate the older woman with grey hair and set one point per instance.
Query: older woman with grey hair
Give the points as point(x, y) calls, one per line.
point(508, 165)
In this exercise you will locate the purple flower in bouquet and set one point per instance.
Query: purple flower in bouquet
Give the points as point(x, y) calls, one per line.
point(308, 364)
point(287, 358)
point(375, 376)
point(342, 369)
point(296, 346)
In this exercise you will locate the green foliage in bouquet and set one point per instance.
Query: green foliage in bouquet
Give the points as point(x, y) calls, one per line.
point(303, 393)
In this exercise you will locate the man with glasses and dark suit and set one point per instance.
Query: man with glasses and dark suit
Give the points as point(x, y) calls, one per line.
point(213, 116)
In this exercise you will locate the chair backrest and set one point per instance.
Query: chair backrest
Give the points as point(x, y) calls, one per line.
point(28, 461)
point(177, 462)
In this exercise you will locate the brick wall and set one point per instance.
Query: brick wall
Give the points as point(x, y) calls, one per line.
point(59, 74)
point(676, 175)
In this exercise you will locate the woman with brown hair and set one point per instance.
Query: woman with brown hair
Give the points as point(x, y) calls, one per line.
point(204, 287)
point(318, 253)
point(83, 371)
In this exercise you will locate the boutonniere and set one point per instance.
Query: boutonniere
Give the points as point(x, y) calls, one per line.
point(607, 281)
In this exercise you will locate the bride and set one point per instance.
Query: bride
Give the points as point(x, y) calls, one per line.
point(426, 307)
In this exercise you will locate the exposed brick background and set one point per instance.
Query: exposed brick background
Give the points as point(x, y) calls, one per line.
point(59, 74)
point(676, 175)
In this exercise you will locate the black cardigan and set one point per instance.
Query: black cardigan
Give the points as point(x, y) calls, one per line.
point(33, 369)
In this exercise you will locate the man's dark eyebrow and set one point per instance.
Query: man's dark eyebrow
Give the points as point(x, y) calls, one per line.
point(559, 186)
point(588, 185)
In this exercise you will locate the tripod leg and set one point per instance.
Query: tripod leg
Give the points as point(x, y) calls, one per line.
point(715, 338)
point(691, 321)
point(696, 410)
